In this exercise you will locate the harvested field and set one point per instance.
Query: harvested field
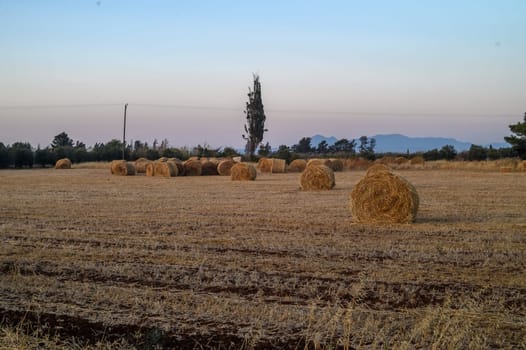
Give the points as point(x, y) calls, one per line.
point(205, 262)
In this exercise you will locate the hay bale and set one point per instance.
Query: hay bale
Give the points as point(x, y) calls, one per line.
point(179, 164)
point(192, 167)
point(417, 160)
point(506, 169)
point(279, 166)
point(297, 166)
point(140, 165)
point(209, 168)
point(122, 168)
point(318, 161)
point(401, 160)
point(336, 164)
point(376, 168)
point(150, 169)
point(223, 168)
point(265, 165)
point(63, 163)
point(162, 159)
point(317, 177)
point(521, 166)
point(358, 164)
point(237, 159)
point(165, 169)
point(243, 172)
point(384, 197)
point(386, 160)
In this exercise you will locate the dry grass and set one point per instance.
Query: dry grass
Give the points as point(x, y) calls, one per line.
point(204, 262)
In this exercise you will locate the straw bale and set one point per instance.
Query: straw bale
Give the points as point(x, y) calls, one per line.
point(336, 164)
point(279, 166)
point(358, 164)
point(417, 160)
point(63, 163)
point(265, 165)
point(223, 168)
point(243, 172)
point(122, 167)
point(179, 164)
point(192, 167)
point(165, 169)
point(150, 169)
point(237, 159)
point(383, 197)
point(297, 166)
point(209, 168)
point(376, 168)
point(140, 165)
point(317, 177)
point(401, 160)
point(162, 159)
point(521, 166)
point(506, 169)
point(318, 161)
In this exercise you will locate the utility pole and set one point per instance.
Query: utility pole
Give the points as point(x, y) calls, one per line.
point(124, 132)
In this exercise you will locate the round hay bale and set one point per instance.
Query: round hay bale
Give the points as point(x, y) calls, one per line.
point(417, 160)
point(165, 169)
point(192, 167)
point(209, 168)
point(265, 165)
point(179, 164)
point(162, 159)
point(317, 161)
point(122, 168)
point(297, 166)
point(150, 169)
point(384, 197)
point(386, 160)
point(140, 165)
point(359, 164)
point(279, 166)
point(223, 168)
point(316, 178)
point(243, 172)
point(401, 160)
point(336, 164)
point(376, 168)
point(521, 166)
point(506, 169)
point(63, 163)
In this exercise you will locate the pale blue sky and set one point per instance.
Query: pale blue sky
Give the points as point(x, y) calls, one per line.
point(339, 68)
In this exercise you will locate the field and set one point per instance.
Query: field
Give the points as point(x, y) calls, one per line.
point(91, 260)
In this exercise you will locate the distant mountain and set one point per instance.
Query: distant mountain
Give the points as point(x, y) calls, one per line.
point(316, 139)
point(397, 143)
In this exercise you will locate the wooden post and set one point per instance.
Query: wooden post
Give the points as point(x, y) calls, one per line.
point(124, 132)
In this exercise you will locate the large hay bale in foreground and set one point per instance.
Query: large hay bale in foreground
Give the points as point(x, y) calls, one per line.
point(383, 198)
point(122, 168)
point(209, 168)
point(224, 167)
point(192, 167)
point(63, 163)
point(316, 178)
point(140, 165)
point(243, 172)
point(297, 166)
point(376, 168)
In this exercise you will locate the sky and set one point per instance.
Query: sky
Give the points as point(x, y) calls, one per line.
point(338, 68)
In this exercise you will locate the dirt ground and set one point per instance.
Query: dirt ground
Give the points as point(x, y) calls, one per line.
point(91, 260)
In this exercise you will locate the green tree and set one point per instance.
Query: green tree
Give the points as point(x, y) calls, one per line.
point(283, 152)
point(21, 154)
point(264, 150)
point(448, 152)
point(344, 146)
point(61, 140)
point(44, 157)
point(323, 147)
point(477, 153)
point(366, 147)
point(303, 146)
point(229, 152)
point(518, 140)
point(255, 115)
point(4, 156)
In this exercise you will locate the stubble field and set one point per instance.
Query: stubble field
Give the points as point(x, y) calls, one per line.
point(91, 260)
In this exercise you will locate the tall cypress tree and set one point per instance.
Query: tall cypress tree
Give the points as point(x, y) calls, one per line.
point(255, 114)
